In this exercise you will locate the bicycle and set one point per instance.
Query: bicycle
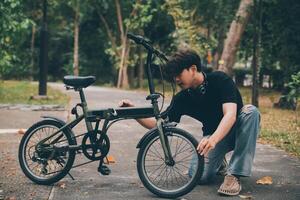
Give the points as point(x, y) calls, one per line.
point(48, 148)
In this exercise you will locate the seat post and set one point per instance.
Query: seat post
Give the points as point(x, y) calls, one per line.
point(85, 109)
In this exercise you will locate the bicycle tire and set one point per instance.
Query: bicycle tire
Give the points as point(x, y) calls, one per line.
point(23, 151)
point(149, 184)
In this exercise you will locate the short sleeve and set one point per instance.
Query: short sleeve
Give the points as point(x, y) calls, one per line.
point(227, 88)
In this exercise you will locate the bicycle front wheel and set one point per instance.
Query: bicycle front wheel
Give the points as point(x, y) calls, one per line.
point(170, 181)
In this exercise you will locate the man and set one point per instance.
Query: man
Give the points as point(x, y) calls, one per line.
point(214, 100)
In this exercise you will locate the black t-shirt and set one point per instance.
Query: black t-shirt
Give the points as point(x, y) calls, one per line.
point(207, 108)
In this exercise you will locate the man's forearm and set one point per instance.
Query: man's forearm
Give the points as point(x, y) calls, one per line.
point(148, 123)
point(224, 127)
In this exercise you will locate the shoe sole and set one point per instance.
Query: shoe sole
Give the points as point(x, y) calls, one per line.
point(230, 194)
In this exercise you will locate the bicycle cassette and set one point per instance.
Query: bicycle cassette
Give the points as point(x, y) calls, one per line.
point(95, 146)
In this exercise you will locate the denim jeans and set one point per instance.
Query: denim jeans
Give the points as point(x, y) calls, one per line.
point(241, 139)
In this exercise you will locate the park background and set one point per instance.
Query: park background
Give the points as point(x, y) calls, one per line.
point(257, 42)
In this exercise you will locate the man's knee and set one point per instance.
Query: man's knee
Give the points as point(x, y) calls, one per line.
point(252, 113)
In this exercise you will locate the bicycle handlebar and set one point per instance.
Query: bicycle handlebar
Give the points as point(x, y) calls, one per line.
point(138, 39)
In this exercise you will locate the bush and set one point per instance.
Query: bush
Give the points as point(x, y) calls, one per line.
point(291, 94)
point(294, 87)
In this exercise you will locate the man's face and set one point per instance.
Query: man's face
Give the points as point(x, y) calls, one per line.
point(185, 79)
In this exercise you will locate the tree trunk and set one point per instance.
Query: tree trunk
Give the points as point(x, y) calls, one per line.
point(32, 44)
point(123, 76)
point(76, 44)
point(234, 35)
point(256, 53)
point(217, 54)
point(43, 61)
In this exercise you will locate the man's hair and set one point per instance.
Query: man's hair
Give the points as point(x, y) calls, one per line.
point(182, 59)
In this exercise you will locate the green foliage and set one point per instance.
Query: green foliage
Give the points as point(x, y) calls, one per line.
point(201, 25)
point(280, 41)
point(294, 87)
point(13, 22)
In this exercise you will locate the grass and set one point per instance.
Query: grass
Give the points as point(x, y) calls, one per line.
point(279, 127)
point(20, 92)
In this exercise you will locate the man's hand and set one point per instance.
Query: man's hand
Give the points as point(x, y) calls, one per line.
point(205, 145)
point(126, 103)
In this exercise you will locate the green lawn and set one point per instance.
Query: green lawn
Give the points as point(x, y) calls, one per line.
point(20, 92)
point(279, 127)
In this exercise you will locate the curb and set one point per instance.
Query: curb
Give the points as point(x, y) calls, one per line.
point(11, 131)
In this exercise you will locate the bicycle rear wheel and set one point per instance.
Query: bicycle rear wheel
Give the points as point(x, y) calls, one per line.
point(45, 165)
point(170, 181)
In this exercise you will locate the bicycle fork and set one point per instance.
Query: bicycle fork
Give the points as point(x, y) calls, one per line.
point(165, 143)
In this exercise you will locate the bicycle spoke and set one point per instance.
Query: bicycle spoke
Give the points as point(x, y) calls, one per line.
point(164, 177)
point(156, 169)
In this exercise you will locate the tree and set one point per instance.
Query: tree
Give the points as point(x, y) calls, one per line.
point(257, 10)
point(76, 38)
point(234, 35)
point(43, 61)
point(133, 17)
point(213, 17)
point(13, 23)
point(123, 51)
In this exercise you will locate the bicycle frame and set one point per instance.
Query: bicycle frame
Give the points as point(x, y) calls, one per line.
point(120, 113)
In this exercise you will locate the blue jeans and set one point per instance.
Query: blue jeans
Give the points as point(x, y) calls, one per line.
point(241, 139)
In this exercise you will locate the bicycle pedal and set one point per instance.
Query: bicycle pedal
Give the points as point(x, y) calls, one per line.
point(109, 159)
point(104, 170)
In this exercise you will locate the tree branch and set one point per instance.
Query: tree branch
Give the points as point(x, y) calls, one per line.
point(109, 32)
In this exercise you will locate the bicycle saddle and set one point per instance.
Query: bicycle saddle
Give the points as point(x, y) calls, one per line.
point(79, 81)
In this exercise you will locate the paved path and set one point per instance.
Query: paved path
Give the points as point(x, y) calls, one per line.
point(123, 183)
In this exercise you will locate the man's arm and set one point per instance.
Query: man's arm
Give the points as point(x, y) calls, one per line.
point(229, 118)
point(148, 123)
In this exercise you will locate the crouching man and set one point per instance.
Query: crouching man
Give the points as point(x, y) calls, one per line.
point(228, 125)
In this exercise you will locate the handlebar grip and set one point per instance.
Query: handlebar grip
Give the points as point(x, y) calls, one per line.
point(136, 38)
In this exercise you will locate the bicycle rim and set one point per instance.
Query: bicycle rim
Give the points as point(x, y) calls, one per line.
point(164, 178)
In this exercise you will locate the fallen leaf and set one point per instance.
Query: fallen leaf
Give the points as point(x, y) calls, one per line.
point(61, 185)
point(12, 198)
point(21, 131)
point(33, 194)
point(246, 197)
point(266, 180)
